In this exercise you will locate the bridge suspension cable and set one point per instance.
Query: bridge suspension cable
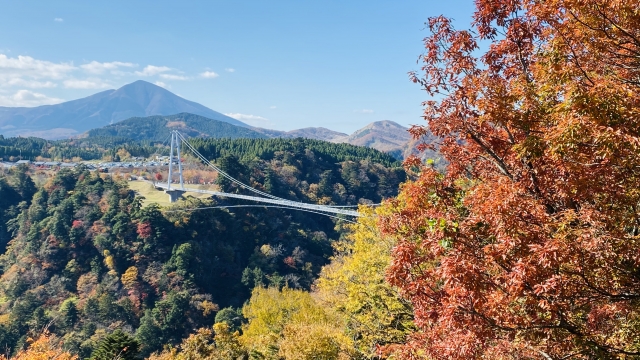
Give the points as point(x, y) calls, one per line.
point(260, 206)
point(177, 139)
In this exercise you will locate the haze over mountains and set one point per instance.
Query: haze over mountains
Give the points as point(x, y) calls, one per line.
point(144, 111)
point(137, 99)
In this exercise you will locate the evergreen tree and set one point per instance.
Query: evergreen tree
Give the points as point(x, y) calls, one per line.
point(117, 345)
point(149, 333)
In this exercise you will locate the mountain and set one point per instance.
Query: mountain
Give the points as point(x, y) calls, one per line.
point(157, 128)
point(385, 135)
point(317, 133)
point(137, 99)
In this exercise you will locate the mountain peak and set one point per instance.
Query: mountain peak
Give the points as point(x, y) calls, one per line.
point(385, 124)
point(142, 84)
point(137, 99)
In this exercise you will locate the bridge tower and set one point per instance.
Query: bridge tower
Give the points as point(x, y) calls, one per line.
point(175, 194)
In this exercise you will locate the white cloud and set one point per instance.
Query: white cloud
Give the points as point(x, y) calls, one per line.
point(32, 84)
point(58, 19)
point(253, 120)
point(173, 77)
point(364, 111)
point(36, 69)
point(96, 67)
point(151, 70)
point(85, 84)
point(28, 98)
point(161, 84)
point(230, 70)
point(272, 107)
point(209, 75)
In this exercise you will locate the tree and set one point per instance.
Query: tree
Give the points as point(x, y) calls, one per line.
point(149, 333)
point(231, 165)
point(289, 324)
point(354, 285)
point(46, 347)
point(230, 316)
point(207, 344)
point(69, 312)
point(117, 345)
point(23, 183)
point(527, 246)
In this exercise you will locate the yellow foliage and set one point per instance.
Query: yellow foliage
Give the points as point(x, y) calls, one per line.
point(291, 324)
point(46, 347)
point(109, 262)
point(130, 277)
point(354, 285)
point(313, 341)
point(206, 344)
point(208, 307)
point(123, 154)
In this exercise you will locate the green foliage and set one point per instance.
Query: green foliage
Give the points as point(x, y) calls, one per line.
point(231, 316)
point(16, 191)
point(305, 170)
point(267, 149)
point(157, 128)
point(149, 333)
point(117, 345)
point(85, 256)
point(88, 148)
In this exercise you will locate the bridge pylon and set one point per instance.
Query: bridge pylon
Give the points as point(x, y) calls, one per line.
point(175, 194)
point(259, 196)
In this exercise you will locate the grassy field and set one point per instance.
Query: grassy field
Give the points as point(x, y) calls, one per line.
point(152, 195)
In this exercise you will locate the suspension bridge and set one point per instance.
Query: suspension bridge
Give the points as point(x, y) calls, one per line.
point(176, 190)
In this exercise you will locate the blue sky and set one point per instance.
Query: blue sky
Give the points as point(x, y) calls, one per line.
point(275, 64)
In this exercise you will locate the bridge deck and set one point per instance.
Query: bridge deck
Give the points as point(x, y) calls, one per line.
point(289, 203)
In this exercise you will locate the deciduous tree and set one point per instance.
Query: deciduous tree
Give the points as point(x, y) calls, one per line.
point(354, 285)
point(46, 347)
point(527, 247)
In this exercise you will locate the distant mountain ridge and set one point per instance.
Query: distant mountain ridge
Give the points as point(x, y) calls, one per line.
point(395, 139)
point(138, 99)
point(157, 128)
point(317, 133)
point(386, 136)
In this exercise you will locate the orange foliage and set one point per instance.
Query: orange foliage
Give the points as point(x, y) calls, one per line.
point(529, 245)
point(46, 347)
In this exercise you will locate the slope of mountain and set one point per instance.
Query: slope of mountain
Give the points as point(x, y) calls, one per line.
point(137, 99)
point(157, 128)
point(385, 135)
point(317, 133)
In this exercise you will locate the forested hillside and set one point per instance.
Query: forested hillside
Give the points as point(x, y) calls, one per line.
point(157, 128)
point(31, 148)
point(265, 149)
point(85, 258)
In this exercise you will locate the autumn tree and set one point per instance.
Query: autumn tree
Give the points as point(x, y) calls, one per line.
point(207, 344)
point(527, 247)
point(45, 347)
point(289, 324)
point(354, 285)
